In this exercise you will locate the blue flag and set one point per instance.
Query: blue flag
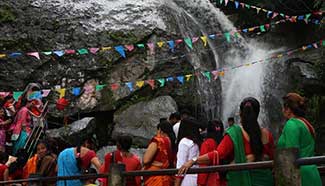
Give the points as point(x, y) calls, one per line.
point(120, 50)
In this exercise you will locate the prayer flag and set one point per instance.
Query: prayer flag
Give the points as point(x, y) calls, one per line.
point(160, 44)
point(76, 91)
point(180, 79)
point(17, 94)
point(2, 55)
point(236, 4)
point(170, 79)
point(93, 50)
point(151, 82)
point(59, 53)
point(129, 47)
point(171, 45)
point(195, 39)
point(162, 82)
point(139, 84)
point(205, 40)
point(151, 47)
point(130, 86)
point(207, 75)
point(114, 86)
point(35, 54)
point(227, 36)
point(47, 53)
point(100, 87)
point(262, 28)
point(83, 51)
point(140, 45)
point(212, 36)
point(215, 74)
point(188, 77)
point(61, 92)
point(15, 54)
point(120, 50)
point(188, 42)
point(69, 51)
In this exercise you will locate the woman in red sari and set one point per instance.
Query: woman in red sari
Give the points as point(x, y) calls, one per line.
point(249, 143)
point(159, 155)
point(215, 131)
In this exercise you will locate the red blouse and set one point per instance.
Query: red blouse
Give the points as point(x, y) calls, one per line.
point(3, 168)
point(226, 147)
point(164, 148)
point(209, 145)
point(86, 159)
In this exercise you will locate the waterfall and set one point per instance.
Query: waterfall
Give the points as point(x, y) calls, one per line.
point(236, 84)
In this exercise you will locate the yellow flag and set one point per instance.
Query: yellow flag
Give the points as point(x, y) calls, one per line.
point(106, 48)
point(205, 40)
point(280, 55)
point(139, 84)
point(61, 91)
point(222, 73)
point(251, 29)
point(188, 77)
point(160, 43)
point(248, 64)
point(2, 55)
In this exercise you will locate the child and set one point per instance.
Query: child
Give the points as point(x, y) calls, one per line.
point(91, 181)
point(4, 171)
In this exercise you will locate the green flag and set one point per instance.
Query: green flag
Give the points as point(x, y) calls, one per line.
point(83, 51)
point(162, 82)
point(188, 42)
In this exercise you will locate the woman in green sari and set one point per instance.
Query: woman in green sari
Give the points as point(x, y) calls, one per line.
point(299, 133)
point(249, 143)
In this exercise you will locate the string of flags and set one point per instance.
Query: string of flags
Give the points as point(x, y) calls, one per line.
point(161, 82)
point(272, 14)
point(171, 44)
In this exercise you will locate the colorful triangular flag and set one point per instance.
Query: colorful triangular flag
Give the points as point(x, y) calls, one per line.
point(120, 50)
point(129, 47)
point(162, 82)
point(130, 86)
point(139, 84)
point(180, 79)
point(82, 51)
point(100, 87)
point(151, 82)
point(171, 45)
point(59, 53)
point(160, 44)
point(35, 54)
point(204, 40)
point(188, 42)
point(76, 91)
point(151, 47)
point(93, 50)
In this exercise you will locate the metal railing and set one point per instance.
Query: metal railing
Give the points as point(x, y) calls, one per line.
point(219, 168)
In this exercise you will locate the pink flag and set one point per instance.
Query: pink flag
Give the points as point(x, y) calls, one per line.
point(267, 26)
point(4, 94)
point(129, 47)
point(195, 39)
point(226, 2)
point(69, 51)
point(151, 47)
point(242, 5)
point(178, 41)
point(35, 54)
point(275, 14)
point(315, 45)
point(151, 82)
point(93, 50)
point(215, 74)
point(45, 92)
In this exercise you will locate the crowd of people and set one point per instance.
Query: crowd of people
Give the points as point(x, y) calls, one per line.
point(181, 142)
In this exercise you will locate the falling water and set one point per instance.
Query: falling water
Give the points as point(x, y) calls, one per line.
point(236, 84)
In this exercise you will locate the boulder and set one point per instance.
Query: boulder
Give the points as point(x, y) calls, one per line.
point(76, 132)
point(140, 120)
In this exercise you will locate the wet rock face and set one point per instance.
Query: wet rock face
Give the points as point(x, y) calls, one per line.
point(74, 133)
point(140, 120)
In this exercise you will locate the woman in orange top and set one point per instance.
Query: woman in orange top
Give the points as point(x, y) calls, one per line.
point(159, 155)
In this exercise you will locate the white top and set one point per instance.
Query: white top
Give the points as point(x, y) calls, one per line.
point(187, 150)
point(176, 128)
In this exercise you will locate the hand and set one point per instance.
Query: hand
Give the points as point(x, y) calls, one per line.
point(185, 167)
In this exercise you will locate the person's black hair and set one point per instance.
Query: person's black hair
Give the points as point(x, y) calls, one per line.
point(162, 119)
point(231, 119)
point(215, 130)
point(175, 115)
point(249, 110)
point(3, 157)
point(189, 128)
point(48, 148)
point(125, 142)
point(185, 112)
point(167, 128)
point(6, 117)
point(22, 157)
